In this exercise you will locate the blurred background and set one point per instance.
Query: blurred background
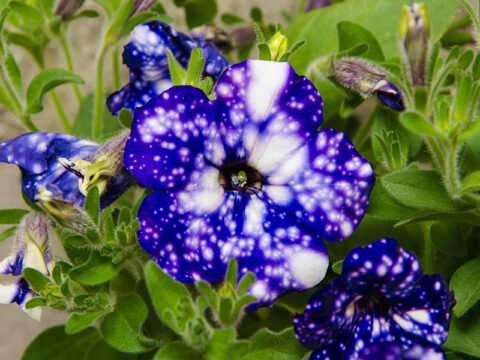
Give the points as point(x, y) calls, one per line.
point(17, 329)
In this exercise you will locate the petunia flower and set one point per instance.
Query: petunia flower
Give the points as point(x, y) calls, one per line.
point(20, 293)
point(394, 351)
point(383, 302)
point(37, 155)
point(246, 175)
point(31, 250)
point(147, 60)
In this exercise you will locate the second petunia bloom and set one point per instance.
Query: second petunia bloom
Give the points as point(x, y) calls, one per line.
point(384, 307)
point(246, 175)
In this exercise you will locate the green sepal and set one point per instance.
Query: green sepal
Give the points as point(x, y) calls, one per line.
point(36, 279)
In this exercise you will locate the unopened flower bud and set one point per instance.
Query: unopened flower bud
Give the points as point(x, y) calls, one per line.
point(278, 45)
point(67, 8)
point(316, 4)
point(366, 78)
point(213, 35)
point(141, 6)
point(31, 248)
point(415, 35)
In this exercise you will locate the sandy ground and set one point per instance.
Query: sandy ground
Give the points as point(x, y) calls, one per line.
point(17, 330)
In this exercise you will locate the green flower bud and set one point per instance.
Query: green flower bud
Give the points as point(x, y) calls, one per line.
point(415, 35)
point(278, 46)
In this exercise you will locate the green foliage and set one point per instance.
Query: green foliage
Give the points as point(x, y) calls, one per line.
point(351, 34)
point(199, 12)
point(7, 233)
point(12, 216)
point(464, 333)
point(122, 328)
point(54, 343)
point(466, 285)
point(78, 322)
point(266, 345)
point(45, 81)
point(36, 279)
point(96, 270)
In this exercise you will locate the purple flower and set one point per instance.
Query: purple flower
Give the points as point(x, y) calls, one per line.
point(147, 60)
point(382, 304)
point(37, 155)
point(245, 175)
point(393, 351)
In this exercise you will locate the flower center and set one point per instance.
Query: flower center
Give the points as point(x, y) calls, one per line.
point(240, 177)
point(373, 302)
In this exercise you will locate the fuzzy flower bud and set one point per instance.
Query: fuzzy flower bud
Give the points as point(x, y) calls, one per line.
point(278, 45)
point(366, 78)
point(415, 34)
point(67, 8)
point(213, 35)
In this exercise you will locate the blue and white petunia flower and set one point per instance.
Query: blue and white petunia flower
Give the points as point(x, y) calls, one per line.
point(383, 302)
point(38, 154)
point(31, 250)
point(147, 60)
point(246, 175)
point(394, 351)
point(20, 293)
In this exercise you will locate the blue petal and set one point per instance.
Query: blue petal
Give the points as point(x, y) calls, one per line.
point(194, 232)
point(393, 351)
point(36, 155)
point(324, 186)
point(264, 105)
point(171, 136)
point(147, 60)
point(382, 267)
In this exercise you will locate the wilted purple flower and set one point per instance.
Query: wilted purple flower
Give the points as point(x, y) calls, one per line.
point(245, 176)
point(366, 78)
point(383, 297)
point(37, 155)
point(147, 60)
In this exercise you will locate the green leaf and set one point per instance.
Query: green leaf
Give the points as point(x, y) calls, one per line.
point(256, 14)
point(231, 276)
point(82, 125)
point(109, 6)
point(266, 345)
point(126, 118)
point(177, 350)
point(14, 72)
point(417, 123)
point(29, 13)
point(351, 34)
point(225, 308)
point(465, 283)
point(101, 350)
point(12, 216)
point(96, 270)
point(177, 72)
point(337, 267)
point(419, 188)
point(35, 302)
point(464, 334)
point(471, 183)
point(199, 12)
point(78, 322)
point(245, 282)
point(122, 327)
point(92, 204)
point(83, 14)
point(45, 81)
point(54, 343)
point(231, 19)
point(7, 233)
point(36, 279)
point(465, 217)
point(384, 206)
point(448, 238)
point(157, 282)
point(224, 346)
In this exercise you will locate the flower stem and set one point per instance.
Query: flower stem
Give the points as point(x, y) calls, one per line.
point(473, 15)
point(68, 59)
point(97, 119)
point(300, 7)
point(61, 111)
point(115, 69)
point(362, 134)
point(429, 251)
